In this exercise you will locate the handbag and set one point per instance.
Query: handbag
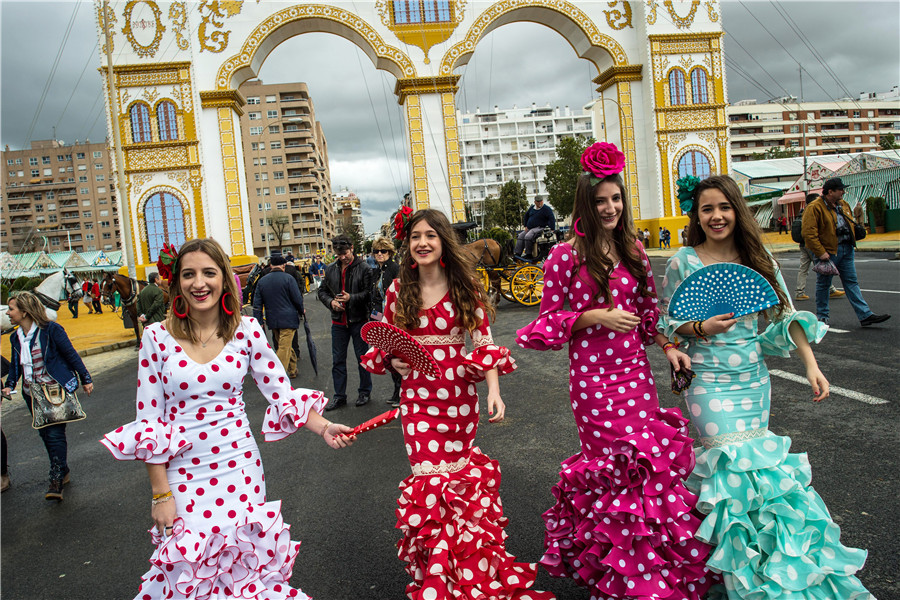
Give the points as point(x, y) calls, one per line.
point(52, 404)
point(825, 267)
point(681, 379)
point(859, 232)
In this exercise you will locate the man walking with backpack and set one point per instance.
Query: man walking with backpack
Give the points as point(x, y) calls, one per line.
point(806, 257)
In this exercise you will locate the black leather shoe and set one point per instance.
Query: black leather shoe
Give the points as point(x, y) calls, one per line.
point(873, 319)
point(336, 403)
point(54, 492)
point(362, 400)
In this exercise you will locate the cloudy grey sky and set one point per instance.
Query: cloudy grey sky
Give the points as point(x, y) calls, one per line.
point(518, 64)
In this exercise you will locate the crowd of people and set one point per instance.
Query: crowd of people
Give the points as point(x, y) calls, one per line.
point(639, 512)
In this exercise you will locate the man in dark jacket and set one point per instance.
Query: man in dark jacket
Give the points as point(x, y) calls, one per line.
point(536, 219)
point(346, 291)
point(151, 306)
point(279, 297)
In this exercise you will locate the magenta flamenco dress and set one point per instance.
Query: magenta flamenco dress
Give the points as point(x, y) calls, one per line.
point(622, 524)
point(449, 511)
point(228, 541)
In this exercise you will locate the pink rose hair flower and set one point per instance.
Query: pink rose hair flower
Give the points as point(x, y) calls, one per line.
point(602, 160)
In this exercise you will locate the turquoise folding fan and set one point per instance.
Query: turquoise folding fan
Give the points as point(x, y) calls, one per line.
point(719, 289)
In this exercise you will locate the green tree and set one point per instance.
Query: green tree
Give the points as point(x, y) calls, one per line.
point(887, 142)
point(507, 209)
point(351, 230)
point(774, 152)
point(562, 174)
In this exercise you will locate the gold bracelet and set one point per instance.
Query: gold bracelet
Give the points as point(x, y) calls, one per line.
point(161, 499)
point(325, 430)
point(163, 495)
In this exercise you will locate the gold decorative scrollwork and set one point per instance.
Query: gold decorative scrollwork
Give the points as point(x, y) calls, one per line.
point(214, 13)
point(711, 10)
point(107, 21)
point(423, 35)
point(682, 22)
point(178, 15)
point(613, 16)
point(151, 48)
point(652, 5)
point(150, 94)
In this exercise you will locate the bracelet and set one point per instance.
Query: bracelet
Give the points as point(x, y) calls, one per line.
point(670, 345)
point(325, 429)
point(698, 330)
point(161, 498)
point(163, 495)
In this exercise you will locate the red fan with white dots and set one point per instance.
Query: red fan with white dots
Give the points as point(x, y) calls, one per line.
point(382, 419)
point(390, 339)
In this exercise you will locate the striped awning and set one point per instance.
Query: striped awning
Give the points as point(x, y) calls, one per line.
point(882, 182)
point(800, 196)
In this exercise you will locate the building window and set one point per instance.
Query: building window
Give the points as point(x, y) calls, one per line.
point(256, 130)
point(99, 177)
point(33, 161)
point(35, 172)
point(82, 179)
point(164, 219)
point(140, 123)
point(86, 214)
point(254, 116)
point(271, 114)
point(271, 99)
point(280, 190)
point(698, 86)
point(48, 172)
point(274, 128)
point(677, 95)
point(694, 163)
point(167, 121)
point(855, 114)
point(421, 11)
point(45, 160)
point(857, 140)
point(83, 191)
point(278, 175)
point(98, 166)
point(277, 160)
point(253, 100)
point(82, 167)
point(79, 155)
point(275, 145)
point(98, 154)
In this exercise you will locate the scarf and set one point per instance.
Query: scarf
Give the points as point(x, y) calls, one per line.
point(25, 351)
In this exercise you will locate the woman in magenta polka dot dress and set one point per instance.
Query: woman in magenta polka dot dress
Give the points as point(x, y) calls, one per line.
point(622, 524)
point(216, 536)
point(449, 512)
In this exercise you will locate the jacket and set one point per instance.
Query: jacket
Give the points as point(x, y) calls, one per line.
point(541, 217)
point(358, 284)
point(820, 227)
point(61, 361)
point(384, 273)
point(278, 293)
point(151, 304)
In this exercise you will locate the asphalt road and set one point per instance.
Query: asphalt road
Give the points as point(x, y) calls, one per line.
point(94, 545)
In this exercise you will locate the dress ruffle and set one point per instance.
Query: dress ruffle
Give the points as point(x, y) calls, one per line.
point(630, 503)
point(285, 416)
point(776, 339)
point(774, 535)
point(252, 559)
point(485, 358)
point(550, 331)
point(452, 537)
point(153, 442)
point(373, 361)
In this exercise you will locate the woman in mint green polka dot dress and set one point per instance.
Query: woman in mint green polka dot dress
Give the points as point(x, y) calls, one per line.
point(773, 535)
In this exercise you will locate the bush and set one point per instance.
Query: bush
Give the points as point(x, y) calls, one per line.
point(878, 207)
point(4, 293)
point(498, 234)
point(20, 283)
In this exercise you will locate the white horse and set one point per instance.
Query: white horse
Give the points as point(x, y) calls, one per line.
point(49, 291)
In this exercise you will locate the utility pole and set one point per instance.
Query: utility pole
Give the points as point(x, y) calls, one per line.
point(803, 137)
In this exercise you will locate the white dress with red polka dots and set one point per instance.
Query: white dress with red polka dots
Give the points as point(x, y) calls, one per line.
point(228, 541)
point(622, 524)
point(449, 511)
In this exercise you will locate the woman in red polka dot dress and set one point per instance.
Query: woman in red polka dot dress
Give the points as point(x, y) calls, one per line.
point(622, 523)
point(449, 512)
point(216, 536)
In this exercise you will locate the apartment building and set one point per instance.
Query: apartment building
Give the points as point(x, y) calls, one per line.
point(286, 162)
point(834, 127)
point(59, 197)
point(347, 205)
point(516, 143)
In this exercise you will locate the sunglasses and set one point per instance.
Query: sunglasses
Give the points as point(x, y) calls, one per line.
point(381, 251)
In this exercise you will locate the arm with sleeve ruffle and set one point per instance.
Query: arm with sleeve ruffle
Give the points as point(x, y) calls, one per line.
point(553, 327)
point(149, 437)
point(775, 339)
point(289, 407)
point(486, 355)
point(648, 306)
point(676, 270)
point(375, 361)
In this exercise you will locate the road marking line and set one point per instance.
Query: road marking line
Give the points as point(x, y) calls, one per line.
point(834, 389)
point(880, 291)
point(836, 330)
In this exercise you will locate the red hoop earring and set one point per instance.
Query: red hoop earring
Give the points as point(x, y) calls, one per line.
point(441, 262)
point(575, 227)
point(225, 308)
point(187, 308)
point(413, 265)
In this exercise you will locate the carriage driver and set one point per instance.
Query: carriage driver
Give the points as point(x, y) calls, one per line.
point(536, 219)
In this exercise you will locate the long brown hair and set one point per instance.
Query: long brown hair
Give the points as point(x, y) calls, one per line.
point(228, 324)
point(747, 234)
point(466, 290)
point(590, 247)
point(31, 305)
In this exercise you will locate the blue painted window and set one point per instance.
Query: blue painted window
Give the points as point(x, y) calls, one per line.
point(694, 163)
point(421, 11)
point(167, 122)
point(677, 92)
point(698, 86)
point(164, 218)
point(140, 123)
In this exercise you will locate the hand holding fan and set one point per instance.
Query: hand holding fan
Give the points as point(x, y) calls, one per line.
point(390, 339)
point(719, 289)
point(382, 419)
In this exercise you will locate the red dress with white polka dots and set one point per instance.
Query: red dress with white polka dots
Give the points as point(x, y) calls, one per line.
point(449, 510)
point(622, 525)
point(228, 541)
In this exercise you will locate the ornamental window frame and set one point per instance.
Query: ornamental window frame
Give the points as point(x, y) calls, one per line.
point(677, 82)
point(139, 117)
point(167, 120)
point(699, 86)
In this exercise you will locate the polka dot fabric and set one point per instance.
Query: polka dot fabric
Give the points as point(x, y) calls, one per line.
point(449, 511)
point(228, 541)
point(622, 524)
point(773, 535)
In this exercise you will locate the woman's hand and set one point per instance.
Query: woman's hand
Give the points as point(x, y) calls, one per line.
point(820, 385)
point(338, 436)
point(163, 515)
point(678, 359)
point(6, 392)
point(617, 319)
point(719, 324)
point(401, 367)
point(496, 407)
point(88, 388)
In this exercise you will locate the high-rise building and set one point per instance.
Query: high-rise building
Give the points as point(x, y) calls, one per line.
point(349, 212)
point(59, 197)
point(516, 143)
point(286, 162)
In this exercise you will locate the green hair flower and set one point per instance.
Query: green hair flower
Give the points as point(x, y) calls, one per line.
point(686, 186)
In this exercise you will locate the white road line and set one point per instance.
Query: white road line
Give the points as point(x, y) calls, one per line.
point(879, 291)
point(834, 389)
point(836, 330)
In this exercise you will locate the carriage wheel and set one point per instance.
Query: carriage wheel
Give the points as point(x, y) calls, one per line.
point(527, 285)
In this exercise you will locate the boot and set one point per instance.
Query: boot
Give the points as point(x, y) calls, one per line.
point(395, 399)
point(55, 490)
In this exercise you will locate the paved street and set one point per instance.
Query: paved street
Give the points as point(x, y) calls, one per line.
point(340, 504)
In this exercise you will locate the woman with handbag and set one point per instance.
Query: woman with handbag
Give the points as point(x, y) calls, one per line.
point(52, 367)
point(386, 270)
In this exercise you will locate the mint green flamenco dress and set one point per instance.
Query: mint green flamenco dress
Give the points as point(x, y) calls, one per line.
point(772, 534)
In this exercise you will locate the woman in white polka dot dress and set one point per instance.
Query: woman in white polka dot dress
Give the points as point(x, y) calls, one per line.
point(216, 536)
point(622, 524)
point(773, 535)
point(449, 512)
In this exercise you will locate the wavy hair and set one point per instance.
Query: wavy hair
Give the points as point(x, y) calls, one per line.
point(31, 305)
point(590, 247)
point(228, 324)
point(747, 234)
point(466, 291)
